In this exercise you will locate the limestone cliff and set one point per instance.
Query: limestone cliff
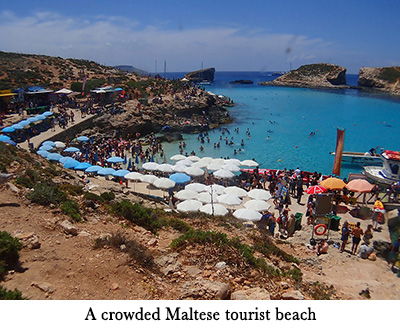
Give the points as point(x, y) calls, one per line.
point(201, 75)
point(384, 79)
point(321, 75)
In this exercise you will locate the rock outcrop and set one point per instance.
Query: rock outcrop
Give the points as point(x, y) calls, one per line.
point(385, 79)
point(321, 75)
point(201, 75)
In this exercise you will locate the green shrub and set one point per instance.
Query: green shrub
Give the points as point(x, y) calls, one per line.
point(46, 193)
point(93, 197)
point(179, 225)
point(9, 250)
point(138, 214)
point(108, 196)
point(135, 250)
point(24, 181)
point(71, 208)
point(71, 189)
point(10, 295)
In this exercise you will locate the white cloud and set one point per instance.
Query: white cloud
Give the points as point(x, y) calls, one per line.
point(117, 40)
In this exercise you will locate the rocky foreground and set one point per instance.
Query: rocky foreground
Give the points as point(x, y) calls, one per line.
point(110, 243)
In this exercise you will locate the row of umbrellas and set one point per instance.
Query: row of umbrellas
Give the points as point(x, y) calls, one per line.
point(356, 185)
point(26, 122)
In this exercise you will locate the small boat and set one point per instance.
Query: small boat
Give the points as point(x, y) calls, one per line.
point(360, 158)
point(389, 172)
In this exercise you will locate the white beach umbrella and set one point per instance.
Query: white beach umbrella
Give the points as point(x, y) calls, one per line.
point(247, 215)
point(164, 183)
point(207, 159)
point(149, 178)
point(59, 144)
point(249, 163)
point(223, 174)
point(193, 158)
point(178, 157)
point(186, 194)
point(229, 199)
point(150, 166)
point(218, 161)
point(257, 205)
point(216, 188)
point(201, 163)
point(230, 167)
point(237, 191)
point(185, 162)
point(189, 205)
point(214, 166)
point(133, 176)
point(233, 161)
point(259, 194)
point(195, 186)
point(179, 168)
point(166, 168)
point(206, 197)
point(194, 171)
point(214, 209)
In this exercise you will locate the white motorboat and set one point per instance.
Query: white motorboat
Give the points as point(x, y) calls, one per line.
point(389, 172)
point(360, 158)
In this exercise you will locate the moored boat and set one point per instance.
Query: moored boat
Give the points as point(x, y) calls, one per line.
point(389, 172)
point(360, 158)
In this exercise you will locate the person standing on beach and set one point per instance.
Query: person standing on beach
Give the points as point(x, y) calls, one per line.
point(357, 232)
point(299, 192)
point(345, 235)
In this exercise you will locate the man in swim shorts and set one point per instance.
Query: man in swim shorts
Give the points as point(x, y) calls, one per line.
point(357, 232)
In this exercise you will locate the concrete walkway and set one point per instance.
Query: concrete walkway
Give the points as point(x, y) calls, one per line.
point(48, 135)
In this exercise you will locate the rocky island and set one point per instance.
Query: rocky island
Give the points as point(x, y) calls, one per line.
point(201, 75)
point(383, 79)
point(321, 75)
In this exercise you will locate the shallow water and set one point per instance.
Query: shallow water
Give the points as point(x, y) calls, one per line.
point(290, 114)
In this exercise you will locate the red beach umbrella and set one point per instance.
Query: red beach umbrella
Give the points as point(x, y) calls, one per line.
point(314, 190)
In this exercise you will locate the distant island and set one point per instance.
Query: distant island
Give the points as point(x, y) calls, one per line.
point(242, 82)
point(199, 76)
point(324, 75)
point(321, 75)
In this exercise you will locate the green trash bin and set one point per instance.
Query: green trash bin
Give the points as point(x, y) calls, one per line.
point(335, 221)
point(298, 217)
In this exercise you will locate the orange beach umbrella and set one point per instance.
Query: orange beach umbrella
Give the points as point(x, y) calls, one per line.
point(333, 184)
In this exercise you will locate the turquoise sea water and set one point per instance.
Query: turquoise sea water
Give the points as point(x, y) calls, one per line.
point(369, 120)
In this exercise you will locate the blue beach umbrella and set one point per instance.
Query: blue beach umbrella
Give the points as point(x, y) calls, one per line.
point(10, 142)
point(137, 159)
point(41, 117)
point(4, 138)
point(82, 138)
point(82, 166)
point(43, 153)
point(8, 129)
point(24, 122)
point(180, 178)
point(106, 171)
point(47, 113)
point(121, 173)
point(53, 156)
point(129, 164)
point(71, 163)
point(71, 149)
point(48, 143)
point(62, 160)
point(93, 169)
point(115, 160)
point(17, 126)
point(33, 119)
point(46, 147)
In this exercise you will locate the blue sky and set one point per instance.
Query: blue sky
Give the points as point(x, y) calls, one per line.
point(228, 35)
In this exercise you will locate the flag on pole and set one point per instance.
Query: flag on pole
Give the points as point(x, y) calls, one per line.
point(337, 163)
point(83, 85)
point(129, 164)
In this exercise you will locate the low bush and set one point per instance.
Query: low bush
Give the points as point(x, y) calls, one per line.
point(10, 295)
point(135, 250)
point(46, 193)
point(178, 224)
point(72, 190)
point(9, 250)
point(108, 196)
point(71, 208)
point(138, 214)
point(92, 197)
